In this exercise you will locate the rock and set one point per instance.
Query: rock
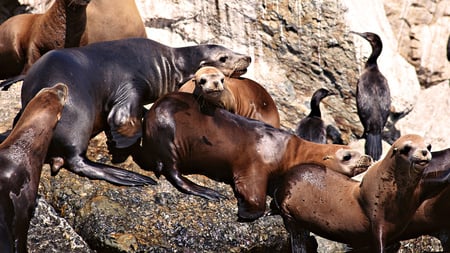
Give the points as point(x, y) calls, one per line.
point(422, 31)
point(50, 233)
point(430, 116)
point(296, 47)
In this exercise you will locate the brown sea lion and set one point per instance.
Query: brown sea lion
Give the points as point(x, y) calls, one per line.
point(112, 20)
point(26, 37)
point(367, 214)
point(109, 83)
point(431, 218)
point(242, 96)
point(22, 155)
point(183, 135)
point(373, 98)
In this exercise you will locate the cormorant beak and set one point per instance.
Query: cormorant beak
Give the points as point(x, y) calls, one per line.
point(360, 34)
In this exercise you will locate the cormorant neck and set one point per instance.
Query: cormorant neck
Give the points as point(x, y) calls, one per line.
point(376, 51)
point(315, 108)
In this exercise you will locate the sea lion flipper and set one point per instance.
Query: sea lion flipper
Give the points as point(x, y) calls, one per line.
point(108, 173)
point(125, 127)
point(185, 185)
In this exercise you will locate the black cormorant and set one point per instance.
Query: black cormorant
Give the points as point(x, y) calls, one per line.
point(311, 127)
point(373, 98)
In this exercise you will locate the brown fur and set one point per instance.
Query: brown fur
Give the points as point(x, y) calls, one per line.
point(242, 96)
point(26, 37)
point(182, 138)
point(112, 20)
point(373, 212)
point(22, 155)
point(431, 218)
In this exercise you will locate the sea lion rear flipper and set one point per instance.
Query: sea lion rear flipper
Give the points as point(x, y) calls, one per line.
point(111, 174)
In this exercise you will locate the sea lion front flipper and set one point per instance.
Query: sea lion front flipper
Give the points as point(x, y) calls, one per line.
point(93, 170)
point(186, 186)
point(125, 121)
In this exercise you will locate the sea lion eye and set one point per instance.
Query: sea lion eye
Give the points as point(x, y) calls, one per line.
point(347, 157)
point(202, 81)
point(429, 147)
point(221, 80)
point(223, 59)
point(406, 149)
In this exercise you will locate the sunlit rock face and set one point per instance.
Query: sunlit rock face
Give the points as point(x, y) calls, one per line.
point(296, 47)
point(422, 30)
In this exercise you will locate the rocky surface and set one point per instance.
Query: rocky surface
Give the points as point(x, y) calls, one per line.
point(422, 31)
point(296, 47)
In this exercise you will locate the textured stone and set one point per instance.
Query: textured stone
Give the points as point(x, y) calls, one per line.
point(422, 30)
point(296, 47)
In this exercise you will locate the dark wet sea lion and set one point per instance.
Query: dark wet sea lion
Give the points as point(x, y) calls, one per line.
point(242, 96)
point(371, 213)
point(312, 127)
point(26, 37)
point(373, 98)
point(181, 137)
point(109, 82)
point(22, 155)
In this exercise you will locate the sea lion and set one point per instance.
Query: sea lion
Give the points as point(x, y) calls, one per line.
point(112, 20)
point(22, 155)
point(242, 96)
point(431, 218)
point(373, 98)
point(26, 37)
point(183, 135)
point(312, 127)
point(371, 213)
point(109, 82)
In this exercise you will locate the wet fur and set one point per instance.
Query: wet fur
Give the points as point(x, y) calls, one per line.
point(373, 212)
point(22, 155)
point(183, 137)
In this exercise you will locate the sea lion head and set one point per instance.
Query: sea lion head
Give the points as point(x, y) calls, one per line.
point(412, 152)
point(210, 81)
point(231, 64)
point(348, 161)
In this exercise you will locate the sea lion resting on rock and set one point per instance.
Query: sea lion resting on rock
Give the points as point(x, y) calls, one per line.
point(109, 82)
point(242, 96)
point(26, 37)
point(22, 154)
point(371, 213)
point(183, 135)
point(431, 218)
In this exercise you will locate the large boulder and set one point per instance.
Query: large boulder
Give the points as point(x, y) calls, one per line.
point(296, 47)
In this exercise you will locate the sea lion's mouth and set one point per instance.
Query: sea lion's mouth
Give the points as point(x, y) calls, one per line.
point(238, 72)
point(422, 163)
point(213, 93)
point(362, 165)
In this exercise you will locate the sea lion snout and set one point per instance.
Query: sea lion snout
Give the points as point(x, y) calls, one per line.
point(416, 151)
point(210, 80)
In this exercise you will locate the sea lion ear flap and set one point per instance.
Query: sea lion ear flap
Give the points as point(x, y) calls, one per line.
point(394, 151)
point(326, 157)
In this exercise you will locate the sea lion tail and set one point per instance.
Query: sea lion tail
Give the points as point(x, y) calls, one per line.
point(373, 146)
point(5, 84)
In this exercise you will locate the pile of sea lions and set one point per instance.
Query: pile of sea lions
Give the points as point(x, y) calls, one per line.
point(206, 119)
